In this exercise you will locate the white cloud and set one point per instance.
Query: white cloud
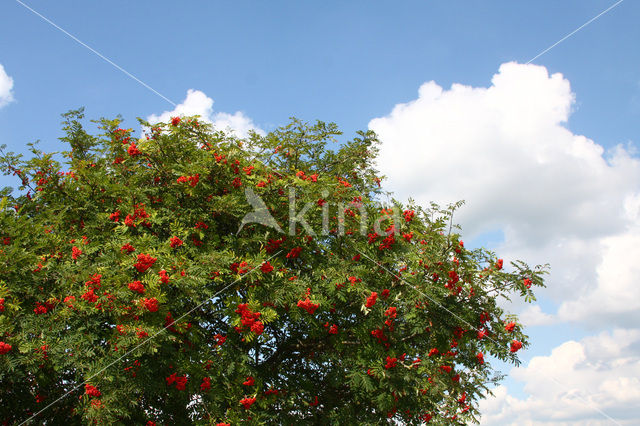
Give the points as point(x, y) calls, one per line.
point(198, 103)
point(615, 297)
point(558, 197)
point(6, 86)
point(533, 315)
point(575, 384)
point(504, 150)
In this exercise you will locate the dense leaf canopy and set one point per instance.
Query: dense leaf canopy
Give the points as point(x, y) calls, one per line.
point(132, 290)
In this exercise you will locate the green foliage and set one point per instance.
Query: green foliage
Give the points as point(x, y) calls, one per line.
point(78, 305)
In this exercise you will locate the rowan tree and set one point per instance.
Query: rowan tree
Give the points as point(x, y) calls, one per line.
point(133, 288)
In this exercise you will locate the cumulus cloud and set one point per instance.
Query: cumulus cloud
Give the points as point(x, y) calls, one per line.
point(533, 315)
point(557, 197)
point(198, 103)
point(578, 383)
point(614, 299)
point(504, 149)
point(6, 86)
point(574, 263)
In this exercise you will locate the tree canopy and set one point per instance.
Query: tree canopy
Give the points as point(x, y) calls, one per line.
point(141, 284)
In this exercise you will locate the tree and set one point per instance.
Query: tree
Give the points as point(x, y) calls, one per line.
point(134, 289)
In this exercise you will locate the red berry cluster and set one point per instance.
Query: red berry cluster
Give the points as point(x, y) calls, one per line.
point(408, 215)
point(127, 248)
point(274, 244)
point(180, 381)
point(307, 304)
point(239, 268)
point(295, 252)
point(175, 242)
point(145, 261)
point(151, 304)
point(133, 150)
point(4, 348)
point(164, 278)
point(192, 180)
point(90, 296)
point(391, 362)
point(94, 282)
point(92, 391)
point(247, 402)
point(75, 252)
point(250, 319)
point(206, 384)
point(136, 286)
point(371, 300)
point(139, 212)
point(266, 267)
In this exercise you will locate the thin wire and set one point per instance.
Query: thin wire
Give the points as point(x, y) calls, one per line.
point(143, 343)
point(97, 53)
point(574, 31)
point(587, 403)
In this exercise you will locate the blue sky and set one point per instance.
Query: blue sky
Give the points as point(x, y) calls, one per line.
point(352, 63)
point(338, 61)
